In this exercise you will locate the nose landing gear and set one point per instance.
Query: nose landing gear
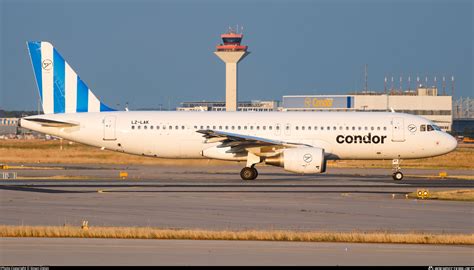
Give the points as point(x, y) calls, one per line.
point(397, 174)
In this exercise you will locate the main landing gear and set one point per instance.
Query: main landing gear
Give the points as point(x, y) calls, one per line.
point(249, 172)
point(397, 174)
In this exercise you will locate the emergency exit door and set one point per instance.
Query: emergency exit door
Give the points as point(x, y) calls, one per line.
point(109, 128)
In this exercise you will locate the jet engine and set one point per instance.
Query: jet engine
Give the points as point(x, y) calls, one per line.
point(300, 160)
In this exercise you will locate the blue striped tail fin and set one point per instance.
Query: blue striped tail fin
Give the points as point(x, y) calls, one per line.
point(60, 89)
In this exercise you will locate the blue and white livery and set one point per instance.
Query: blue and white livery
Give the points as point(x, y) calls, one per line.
point(61, 90)
point(300, 142)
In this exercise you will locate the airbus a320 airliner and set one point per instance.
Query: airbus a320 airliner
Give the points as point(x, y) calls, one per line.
point(300, 142)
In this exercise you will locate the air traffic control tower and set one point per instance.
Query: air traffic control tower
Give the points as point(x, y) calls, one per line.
point(231, 52)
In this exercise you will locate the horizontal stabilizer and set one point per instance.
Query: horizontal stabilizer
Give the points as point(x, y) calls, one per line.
point(52, 123)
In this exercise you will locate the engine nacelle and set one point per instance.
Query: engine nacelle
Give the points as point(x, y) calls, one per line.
point(300, 160)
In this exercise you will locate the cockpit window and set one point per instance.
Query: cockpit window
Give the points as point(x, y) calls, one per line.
point(430, 128)
point(435, 127)
point(423, 128)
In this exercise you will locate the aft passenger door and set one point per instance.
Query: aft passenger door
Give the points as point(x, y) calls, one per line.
point(398, 130)
point(109, 128)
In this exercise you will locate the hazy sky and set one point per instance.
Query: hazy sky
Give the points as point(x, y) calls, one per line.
point(149, 52)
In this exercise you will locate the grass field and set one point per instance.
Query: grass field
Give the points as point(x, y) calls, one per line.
point(157, 233)
point(40, 151)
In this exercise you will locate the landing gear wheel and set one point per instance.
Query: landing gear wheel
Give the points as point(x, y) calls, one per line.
point(248, 173)
point(397, 176)
point(256, 173)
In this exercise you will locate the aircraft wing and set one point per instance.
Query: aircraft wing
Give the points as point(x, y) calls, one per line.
point(240, 143)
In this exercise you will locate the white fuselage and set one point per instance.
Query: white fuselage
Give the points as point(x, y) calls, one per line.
point(342, 135)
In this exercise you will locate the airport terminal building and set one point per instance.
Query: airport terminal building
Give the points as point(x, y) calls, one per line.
point(424, 102)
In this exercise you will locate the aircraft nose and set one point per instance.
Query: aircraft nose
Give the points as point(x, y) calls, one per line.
point(451, 142)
